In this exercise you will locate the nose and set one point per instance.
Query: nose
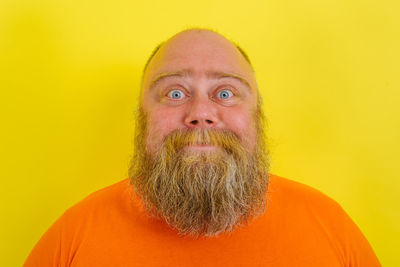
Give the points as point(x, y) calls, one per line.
point(201, 114)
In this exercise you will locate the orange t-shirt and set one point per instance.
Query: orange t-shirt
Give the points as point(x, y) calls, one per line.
point(301, 227)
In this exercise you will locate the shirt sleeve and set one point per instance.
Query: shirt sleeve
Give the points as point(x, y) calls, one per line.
point(358, 251)
point(47, 252)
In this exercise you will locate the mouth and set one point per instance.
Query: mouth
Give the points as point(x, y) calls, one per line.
point(200, 147)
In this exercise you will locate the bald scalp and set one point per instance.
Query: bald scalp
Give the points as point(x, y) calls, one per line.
point(160, 45)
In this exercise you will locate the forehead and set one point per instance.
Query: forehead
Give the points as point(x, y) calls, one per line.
point(200, 52)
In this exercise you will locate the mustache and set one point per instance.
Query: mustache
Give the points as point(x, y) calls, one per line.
point(178, 139)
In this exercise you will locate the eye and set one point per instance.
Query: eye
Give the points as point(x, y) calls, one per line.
point(225, 94)
point(176, 94)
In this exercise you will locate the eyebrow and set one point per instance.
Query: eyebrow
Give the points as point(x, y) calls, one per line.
point(209, 74)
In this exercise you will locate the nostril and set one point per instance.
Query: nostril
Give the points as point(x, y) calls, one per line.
point(209, 121)
point(194, 122)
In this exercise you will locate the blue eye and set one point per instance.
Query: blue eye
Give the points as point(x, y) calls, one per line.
point(225, 94)
point(176, 94)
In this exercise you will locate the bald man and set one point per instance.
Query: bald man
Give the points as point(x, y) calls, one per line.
point(199, 191)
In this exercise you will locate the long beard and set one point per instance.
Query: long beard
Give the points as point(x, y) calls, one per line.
point(200, 193)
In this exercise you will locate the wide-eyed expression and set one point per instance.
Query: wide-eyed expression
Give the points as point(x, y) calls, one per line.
point(199, 80)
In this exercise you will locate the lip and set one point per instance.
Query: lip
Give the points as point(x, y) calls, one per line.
point(201, 147)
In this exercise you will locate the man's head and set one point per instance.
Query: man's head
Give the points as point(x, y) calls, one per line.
point(200, 161)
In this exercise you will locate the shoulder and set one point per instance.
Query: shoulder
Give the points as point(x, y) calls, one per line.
point(295, 193)
point(90, 217)
point(307, 206)
point(321, 215)
point(114, 191)
point(312, 210)
point(312, 217)
point(112, 198)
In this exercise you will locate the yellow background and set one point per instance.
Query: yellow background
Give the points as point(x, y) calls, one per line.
point(69, 77)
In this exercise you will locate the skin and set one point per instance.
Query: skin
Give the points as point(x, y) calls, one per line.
point(199, 80)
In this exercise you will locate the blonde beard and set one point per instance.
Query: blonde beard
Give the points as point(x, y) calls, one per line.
point(200, 193)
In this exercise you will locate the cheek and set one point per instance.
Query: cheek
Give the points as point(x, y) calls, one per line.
point(160, 123)
point(242, 124)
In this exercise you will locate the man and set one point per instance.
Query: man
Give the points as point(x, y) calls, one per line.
point(199, 192)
